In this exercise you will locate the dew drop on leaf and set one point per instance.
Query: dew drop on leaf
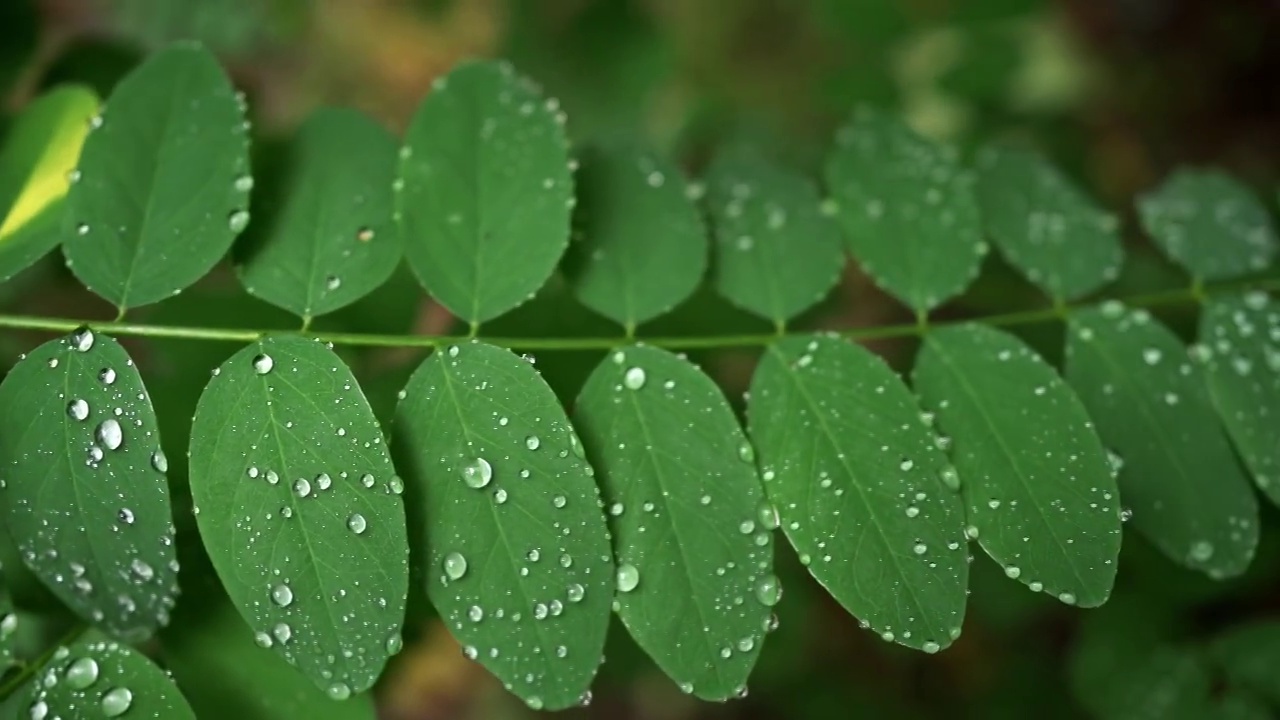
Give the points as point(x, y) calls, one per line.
point(477, 473)
point(302, 487)
point(116, 702)
point(82, 339)
point(159, 461)
point(628, 578)
point(238, 221)
point(455, 566)
point(262, 364)
point(768, 590)
point(78, 409)
point(107, 376)
point(82, 673)
point(634, 378)
point(356, 523)
point(339, 691)
point(532, 442)
point(110, 434)
point(282, 595)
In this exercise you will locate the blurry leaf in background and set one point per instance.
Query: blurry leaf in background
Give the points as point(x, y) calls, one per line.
point(36, 161)
point(1249, 655)
point(225, 26)
point(19, 35)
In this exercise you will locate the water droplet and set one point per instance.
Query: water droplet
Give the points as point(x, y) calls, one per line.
point(477, 473)
point(559, 501)
point(78, 409)
point(238, 221)
point(931, 647)
point(110, 434)
point(116, 702)
point(628, 578)
point(82, 339)
point(142, 569)
point(950, 478)
point(323, 481)
point(107, 376)
point(532, 442)
point(1013, 571)
point(746, 453)
point(395, 643)
point(366, 480)
point(339, 691)
point(39, 710)
point(768, 590)
point(159, 461)
point(282, 595)
point(634, 378)
point(283, 632)
point(1201, 551)
point(263, 363)
point(576, 593)
point(244, 183)
point(1067, 598)
point(396, 484)
point(273, 477)
point(919, 548)
point(125, 515)
point(356, 523)
point(333, 282)
point(302, 487)
point(263, 639)
point(455, 566)
point(82, 673)
point(364, 234)
point(767, 514)
point(746, 527)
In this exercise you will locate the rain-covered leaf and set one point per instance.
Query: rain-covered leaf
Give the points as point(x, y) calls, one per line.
point(299, 509)
point(640, 247)
point(692, 530)
point(1209, 223)
point(1171, 683)
point(1242, 337)
point(38, 156)
point(515, 543)
point(484, 195)
point(908, 209)
point(97, 677)
point(226, 675)
point(1034, 476)
point(162, 185)
point(861, 488)
point(1249, 655)
point(332, 242)
point(1044, 225)
point(85, 495)
point(1178, 474)
point(776, 253)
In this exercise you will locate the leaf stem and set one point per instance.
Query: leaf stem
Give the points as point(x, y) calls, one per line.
point(1050, 313)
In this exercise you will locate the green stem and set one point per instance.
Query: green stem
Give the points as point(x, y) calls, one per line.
point(1050, 313)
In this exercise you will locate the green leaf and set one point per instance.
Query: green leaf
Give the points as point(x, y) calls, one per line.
point(691, 527)
point(8, 627)
point(163, 184)
point(96, 676)
point(1172, 683)
point(1249, 655)
point(517, 549)
point(1242, 337)
point(1049, 229)
point(86, 499)
point(297, 503)
point(908, 209)
point(777, 255)
point(857, 478)
point(38, 156)
point(639, 247)
point(1179, 477)
point(1210, 224)
point(332, 242)
point(1235, 705)
point(484, 196)
point(1035, 479)
point(226, 675)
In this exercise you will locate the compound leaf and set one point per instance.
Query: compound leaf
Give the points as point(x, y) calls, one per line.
point(776, 253)
point(35, 172)
point(691, 527)
point(515, 541)
point(163, 186)
point(332, 242)
point(1179, 476)
point(1057, 236)
point(639, 247)
point(86, 500)
point(484, 195)
point(96, 676)
point(1249, 655)
point(1036, 481)
point(1210, 224)
point(1242, 337)
point(299, 510)
point(908, 209)
point(858, 481)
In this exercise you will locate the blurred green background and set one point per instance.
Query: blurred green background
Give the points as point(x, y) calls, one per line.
point(1116, 92)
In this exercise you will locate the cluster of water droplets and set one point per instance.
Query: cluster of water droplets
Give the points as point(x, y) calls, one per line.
point(77, 684)
point(1210, 222)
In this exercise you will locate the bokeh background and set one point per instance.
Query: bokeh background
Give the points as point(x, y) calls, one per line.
point(1116, 92)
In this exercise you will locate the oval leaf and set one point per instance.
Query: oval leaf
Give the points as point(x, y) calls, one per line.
point(777, 255)
point(908, 209)
point(639, 247)
point(35, 171)
point(162, 187)
point(96, 677)
point(484, 194)
point(1179, 476)
point(1035, 478)
point(1210, 224)
point(299, 511)
point(691, 530)
point(516, 545)
point(78, 442)
point(333, 242)
point(1045, 226)
point(857, 478)
point(1249, 656)
point(1242, 336)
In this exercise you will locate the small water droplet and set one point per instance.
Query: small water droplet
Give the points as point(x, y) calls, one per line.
point(455, 566)
point(323, 481)
point(628, 578)
point(477, 473)
point(244, 183)
point(78, 409)
point(110, 434)
point(634, 378)
point(576, 593)
point(364, 234)
point(366, 480)
point(283, 632)
point(82, 340)
point(746, 453)
point(282, 595)
point(125, 515)
point(931, 647)
point(559, 501)
point(107, 376)
point(532, 442)
point(302, 487)
point(159, 461)
point(238, 221)
point(356, 523)
point(263, 363)
point(339, 691)
point(142, 569)
point(1201, 551)
point(263, 640)
point(395, 643)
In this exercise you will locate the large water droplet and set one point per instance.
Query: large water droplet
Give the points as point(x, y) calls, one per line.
point(159, 461)
point(263, 363)
point(768, 590)
point(39, 710)
point(142, 569)
point(356, 523)
point(282, 595)
point(339, 691)
point(78, 409)
point(110, 434)
point(323, 481)
point(263, 639)
point(628, 578)
point(455, 566)
point(82, 673)
point(634, 378)
point(302, 487)
point(107, 376)
point(283, 632)
point(116, 702)
point(477, 473)
point(82, 339)
point(576, 593)
point(532, 442)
